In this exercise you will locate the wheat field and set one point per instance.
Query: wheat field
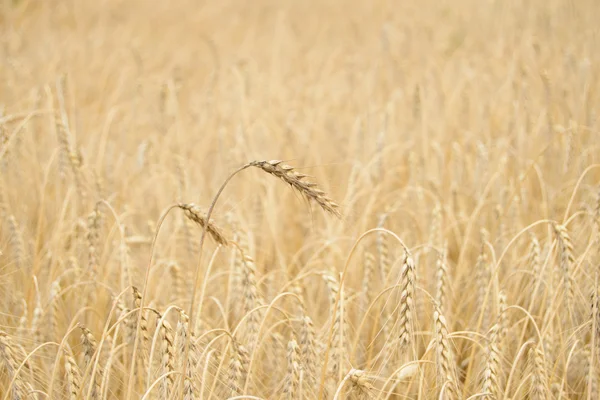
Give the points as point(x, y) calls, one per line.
point(299, 199)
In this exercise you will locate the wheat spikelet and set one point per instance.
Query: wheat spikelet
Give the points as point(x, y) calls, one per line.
point(435, 227)
point(238, 368)
point(407, 304)
point(235, 290)
point(500, 217)
point(22, 327)
point(195, 214)
point(491, 385)
point(251, 299)
point(69, 153)
point(177, 281)
point(308, 350)
point(369, 266)
point(293, 371)
point(382, 250)
point(445, 360)
point(502, 317)
point(89, 344)
point(93, 238)
point(89, 349)
point(338, 322)
point(137, 301)
point(565, 246)
point(181, 336)
point(296, 180)
point(539, 388)
point(128, 322)
point(17, 242)
point(36, 321)
point(591, 373)
point(65, 147)
point(73, 374)
point(167, 351)
point(534, 257)
point(441, 279)
point(54, 306)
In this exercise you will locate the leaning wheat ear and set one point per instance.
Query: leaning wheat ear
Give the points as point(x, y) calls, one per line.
point(194, 213)
point(296, 180)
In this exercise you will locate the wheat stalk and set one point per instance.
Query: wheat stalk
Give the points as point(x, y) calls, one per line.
point(407, 303)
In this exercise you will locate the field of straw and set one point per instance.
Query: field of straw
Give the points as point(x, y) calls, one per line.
point(280, 199)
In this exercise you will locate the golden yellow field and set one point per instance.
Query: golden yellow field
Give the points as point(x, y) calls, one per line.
point(458, 141)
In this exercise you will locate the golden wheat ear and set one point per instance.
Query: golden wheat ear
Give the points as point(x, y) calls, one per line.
point(194, 213)
point(295, 179)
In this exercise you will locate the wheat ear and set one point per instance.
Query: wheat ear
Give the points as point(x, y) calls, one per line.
point(491, 386)
point(89, 349)
point(539, 388)
point(293, 373)
point(73, 374)
point(195, 214)
point(445, 360)
point(296, 180)
point(407, 304)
